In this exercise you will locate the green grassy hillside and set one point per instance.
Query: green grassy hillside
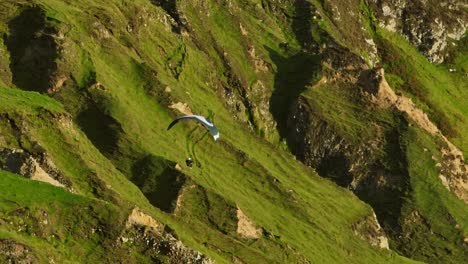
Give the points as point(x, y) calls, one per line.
point(87, 90)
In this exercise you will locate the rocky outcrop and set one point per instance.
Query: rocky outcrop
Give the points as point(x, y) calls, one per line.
point(314, 139)
point(346, 18)
point(317, 144)
point(453, 170)
point(383, 95)
point(178, 21)
point(430, 25)
point(259, 64)
point(36, 167)
point(370, 230)
point(373, 167)
point(248, 103)
point(14, 252)
point(156, 240)
point(341, 65)
point(137, 217)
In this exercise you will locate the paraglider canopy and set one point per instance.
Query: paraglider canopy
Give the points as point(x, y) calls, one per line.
point(205, 122)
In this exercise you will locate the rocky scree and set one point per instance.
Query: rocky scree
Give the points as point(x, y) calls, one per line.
point(432, 26)
point(14, 252)
point(155, 240)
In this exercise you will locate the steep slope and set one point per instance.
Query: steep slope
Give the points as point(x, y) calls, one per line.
point(43, 227)
point(355, 129)
point(87, 91)
point(116, 69)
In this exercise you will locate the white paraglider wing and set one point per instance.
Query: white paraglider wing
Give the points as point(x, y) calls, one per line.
point(213, 130)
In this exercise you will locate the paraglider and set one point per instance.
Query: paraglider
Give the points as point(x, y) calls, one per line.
point(206, 123)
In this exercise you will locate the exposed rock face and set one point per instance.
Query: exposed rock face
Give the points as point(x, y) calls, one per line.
point(384, 96)
point(346, 17)
point(316, 144)
point(315, 141)
point(454, 171)
point(177, 19)
point(314, 138)
point(14, 252)
point(248, 103)
point(430, 25)
point(39, 168)
point(156, 240)
point(341, 64)
point(370, 230)
point(259, 63)
point(355, 163)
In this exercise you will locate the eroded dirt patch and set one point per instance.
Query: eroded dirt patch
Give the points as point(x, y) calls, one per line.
point(246, 227)
point(137, 217)
point(182, 108)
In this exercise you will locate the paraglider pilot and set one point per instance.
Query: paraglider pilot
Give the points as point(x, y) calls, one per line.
point(206, 123)
point(189, 162)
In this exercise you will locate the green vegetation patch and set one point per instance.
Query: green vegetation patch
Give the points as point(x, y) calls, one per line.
point(434, 220)
point(24, 101)
point(298, 211)
point(348, 111)
point(78, 228)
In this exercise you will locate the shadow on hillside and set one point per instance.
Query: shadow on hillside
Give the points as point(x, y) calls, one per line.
point(101, 129)
point(159, 181)
point(293, 75)
point(302, 23)
point(296, 71)
point(170, 6)
point(32, 50)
